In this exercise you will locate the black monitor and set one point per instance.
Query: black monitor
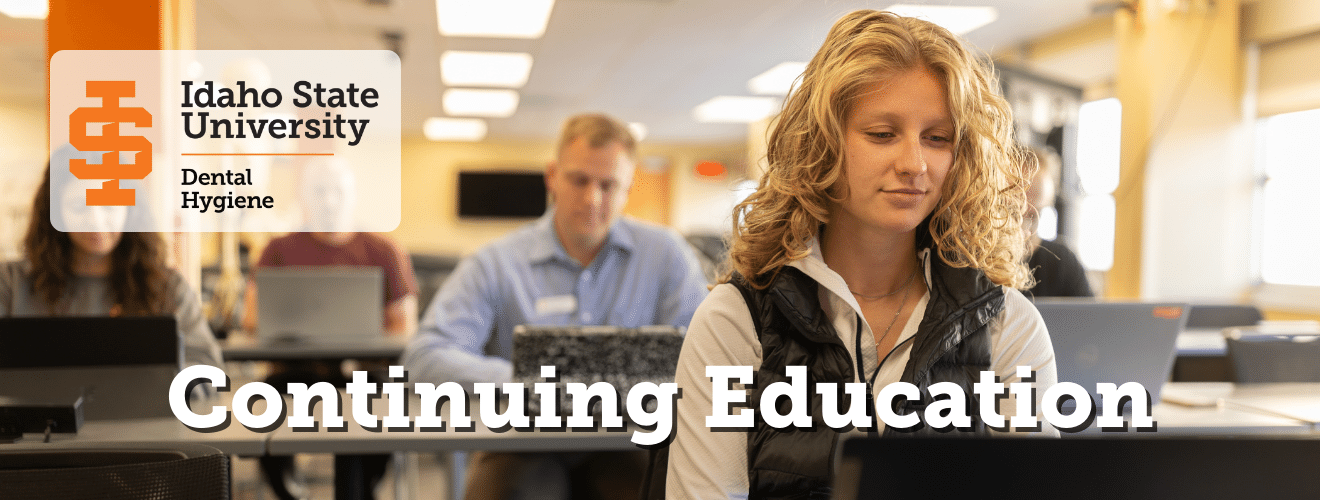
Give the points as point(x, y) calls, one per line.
point(501, 195)
point(121, 367)
point(1079, 468)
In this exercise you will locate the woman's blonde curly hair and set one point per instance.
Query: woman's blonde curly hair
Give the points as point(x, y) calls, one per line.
point(978, 220)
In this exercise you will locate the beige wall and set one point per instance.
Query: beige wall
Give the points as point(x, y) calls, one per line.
point(22, 160)
point(430, 171)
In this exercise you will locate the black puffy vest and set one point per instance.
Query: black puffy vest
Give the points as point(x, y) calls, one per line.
point(952, 344)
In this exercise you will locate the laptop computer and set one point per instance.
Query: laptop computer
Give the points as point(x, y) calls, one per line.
point(121, 367)
point(1081, 468)
point(319, 304)
point(620, 356)
point(1115, 342)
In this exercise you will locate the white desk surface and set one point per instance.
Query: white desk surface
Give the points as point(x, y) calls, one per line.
point(1199, 409)
point(1300, 401)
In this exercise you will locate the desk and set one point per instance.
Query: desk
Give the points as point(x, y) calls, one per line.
point(1202, 409)
point(1298, 401)
point(243, 347)
point(358, 441)
point(361, 441)
point(1262, 409)
point(234, 440)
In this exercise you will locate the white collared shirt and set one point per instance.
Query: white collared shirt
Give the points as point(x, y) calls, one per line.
point(708, 464)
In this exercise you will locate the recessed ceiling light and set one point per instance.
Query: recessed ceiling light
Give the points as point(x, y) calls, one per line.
point(460, 68)
point(487, 103)
point(958, 19)
point(454, 129)
point(494, 18)
point(735, 109)
point(25, 9)
point(638, 130)
point(777, 80)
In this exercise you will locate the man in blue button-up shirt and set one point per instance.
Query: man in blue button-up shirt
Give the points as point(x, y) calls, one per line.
point(581, 263)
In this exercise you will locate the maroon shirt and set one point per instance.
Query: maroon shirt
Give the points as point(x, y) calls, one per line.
point(365, 249)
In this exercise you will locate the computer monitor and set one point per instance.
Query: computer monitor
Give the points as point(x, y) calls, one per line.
point(1079, 468)
point(121, 367)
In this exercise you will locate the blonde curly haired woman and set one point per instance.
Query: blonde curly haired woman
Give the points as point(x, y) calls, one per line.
point(884, 244)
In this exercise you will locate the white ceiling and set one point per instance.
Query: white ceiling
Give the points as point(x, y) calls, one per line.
point(648, 61)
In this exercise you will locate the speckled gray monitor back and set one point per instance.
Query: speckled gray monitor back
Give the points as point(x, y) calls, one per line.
point(589, 354)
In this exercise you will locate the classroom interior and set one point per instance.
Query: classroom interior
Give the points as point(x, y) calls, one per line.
point(1185, 128)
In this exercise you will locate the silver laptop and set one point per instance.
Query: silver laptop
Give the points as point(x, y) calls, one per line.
point(1115, 342)
point(319, 304)
point(620, 356)
point(120, 367)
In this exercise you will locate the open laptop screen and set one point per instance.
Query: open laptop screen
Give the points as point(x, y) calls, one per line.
point(121, 367)
point(321, 303)
point(1114, 342)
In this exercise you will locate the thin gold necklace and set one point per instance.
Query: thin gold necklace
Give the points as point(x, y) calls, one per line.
point(907, 290)
point(896, 290)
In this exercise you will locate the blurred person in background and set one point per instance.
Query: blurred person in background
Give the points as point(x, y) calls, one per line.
point(1056, 269)
point(100, 273)
point(328, 197)
point(582, 263)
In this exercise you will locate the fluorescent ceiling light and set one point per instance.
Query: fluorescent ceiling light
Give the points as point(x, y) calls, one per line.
point(638, 130)
point(25, 9)
point(777, 80)
point(459, 68)
point(735, 109)
point(494, 18)
point(480, 102)
point(958, 19)
point(454, 129)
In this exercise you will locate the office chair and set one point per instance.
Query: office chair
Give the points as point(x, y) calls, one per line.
point(1274, 358)
point(1203, 316)
point(113, 471)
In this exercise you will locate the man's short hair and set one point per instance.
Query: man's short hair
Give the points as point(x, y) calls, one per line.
point(600, 130)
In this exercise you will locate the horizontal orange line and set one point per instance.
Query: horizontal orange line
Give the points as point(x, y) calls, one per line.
point(257, 154)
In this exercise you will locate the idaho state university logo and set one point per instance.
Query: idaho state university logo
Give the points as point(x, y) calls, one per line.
point(111, 143)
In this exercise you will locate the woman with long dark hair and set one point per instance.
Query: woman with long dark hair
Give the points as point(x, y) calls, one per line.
point(106, 273)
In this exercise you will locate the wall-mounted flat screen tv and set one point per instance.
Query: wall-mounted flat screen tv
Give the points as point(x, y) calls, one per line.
point(501, 195)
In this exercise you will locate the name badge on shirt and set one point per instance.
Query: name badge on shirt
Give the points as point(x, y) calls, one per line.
point(558, 304)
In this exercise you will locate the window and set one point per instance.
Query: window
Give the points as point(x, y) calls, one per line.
point(1288, 207)
point(1099, 128)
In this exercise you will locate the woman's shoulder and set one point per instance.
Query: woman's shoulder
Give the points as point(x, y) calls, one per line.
point(1017, 305)
point(723, 309)
point(175, 283)
point(14, 272)
point(15, 267)
point(1019, 320)
point(722, 332)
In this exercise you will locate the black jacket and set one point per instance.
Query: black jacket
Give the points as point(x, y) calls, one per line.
point(952, 344)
